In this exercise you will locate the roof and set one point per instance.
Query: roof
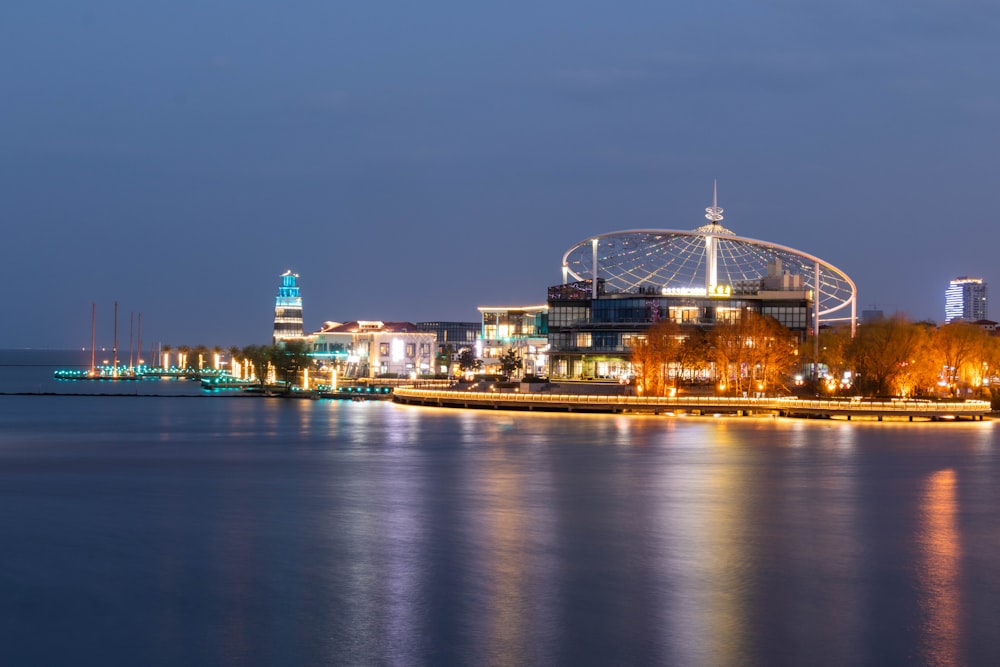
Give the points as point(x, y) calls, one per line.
point(370, 326)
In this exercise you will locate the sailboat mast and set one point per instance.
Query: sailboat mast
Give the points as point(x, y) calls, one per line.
point(131, 323)
point(138, 354)
point(93, 315)
point(114, 369)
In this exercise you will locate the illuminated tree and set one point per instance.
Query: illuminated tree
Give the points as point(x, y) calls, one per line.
point(754, 353)
point(165, 355)
point(654, 355)
point(962, 348)
point(834, 352)
point(467, 360)
point(694, 356)
point(259, 358)
point(182, 357)
point(198, 354)
point(510, 362)
point(882, 351)
point(234, 360)
point(289, 360)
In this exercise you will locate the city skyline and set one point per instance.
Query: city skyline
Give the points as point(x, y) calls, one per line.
point(416, 163)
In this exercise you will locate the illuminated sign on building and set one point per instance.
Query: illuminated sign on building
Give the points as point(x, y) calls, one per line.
point(721, 291)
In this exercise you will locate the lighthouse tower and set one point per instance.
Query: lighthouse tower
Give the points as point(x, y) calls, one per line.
point(288, 309)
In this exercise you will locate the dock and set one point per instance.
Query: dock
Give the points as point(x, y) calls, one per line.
point(784, 406)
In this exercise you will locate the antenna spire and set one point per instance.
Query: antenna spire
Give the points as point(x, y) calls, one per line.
point(713, 212)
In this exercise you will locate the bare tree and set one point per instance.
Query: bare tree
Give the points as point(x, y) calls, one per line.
point(655, 355)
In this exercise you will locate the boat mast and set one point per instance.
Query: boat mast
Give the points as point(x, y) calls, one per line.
point(138, 354)
point(114, 369)
point(93, 314)
point(131, 322)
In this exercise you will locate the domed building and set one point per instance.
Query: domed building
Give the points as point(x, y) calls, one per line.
point(616, 285)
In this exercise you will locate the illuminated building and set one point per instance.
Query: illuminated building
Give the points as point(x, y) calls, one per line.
point(965, 299)
point(452, 338)
point(523, 329)
point(288, 309)
point(371, 348)
point(616, 285)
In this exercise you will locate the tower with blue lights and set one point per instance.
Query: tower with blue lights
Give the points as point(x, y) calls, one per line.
point(288, 309)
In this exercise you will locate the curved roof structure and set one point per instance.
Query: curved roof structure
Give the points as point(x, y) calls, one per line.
point(697, 261)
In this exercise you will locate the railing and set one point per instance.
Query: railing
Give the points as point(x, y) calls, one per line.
point(779, 404)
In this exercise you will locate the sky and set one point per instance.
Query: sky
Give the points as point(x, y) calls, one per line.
point(412, 161)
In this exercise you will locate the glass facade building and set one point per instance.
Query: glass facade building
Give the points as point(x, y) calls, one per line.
point(592, 338)
point(966, 299)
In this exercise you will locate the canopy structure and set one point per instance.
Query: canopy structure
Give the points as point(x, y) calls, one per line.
point(702, 261)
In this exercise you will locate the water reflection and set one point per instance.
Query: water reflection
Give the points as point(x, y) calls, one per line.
point(704, 541)
point(941, 551)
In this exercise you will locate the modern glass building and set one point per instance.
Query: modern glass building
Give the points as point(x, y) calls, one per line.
point(965, 299)
point(288, 309)
point(523, 329)
point(616, 285)
point(455, 335)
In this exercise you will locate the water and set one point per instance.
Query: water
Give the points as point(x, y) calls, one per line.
point(143, 530)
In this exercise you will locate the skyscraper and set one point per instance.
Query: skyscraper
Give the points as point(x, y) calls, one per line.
point(288, 309)
point(965, 299)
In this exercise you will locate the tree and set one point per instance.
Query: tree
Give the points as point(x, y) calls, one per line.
point(510, 362)
point(654, 355)
point(756, 352)
point(290, 359)
point(834, 347)
point(467, 360)
point(694, 357)
point(182, 357)
point(961, 347)
point(881, 351)
point(165, 355)
point(234, 355)
point(259, 358)
point(443, 358)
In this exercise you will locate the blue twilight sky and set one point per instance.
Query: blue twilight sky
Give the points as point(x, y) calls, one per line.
point(412, 161)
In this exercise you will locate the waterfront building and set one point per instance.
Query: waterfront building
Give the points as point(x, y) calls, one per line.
point(452, 335)
point(523, 329)
point(616, 285)
point(373, 349)
point(288, 309)
point(452, 338)
point(966, 299)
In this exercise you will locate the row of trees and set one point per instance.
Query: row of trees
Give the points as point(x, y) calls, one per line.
point(287, 360)
point(889, 357)
point(897, 357)
point(755, 353)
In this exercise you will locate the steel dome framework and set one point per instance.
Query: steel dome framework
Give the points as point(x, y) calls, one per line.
point(674, 261)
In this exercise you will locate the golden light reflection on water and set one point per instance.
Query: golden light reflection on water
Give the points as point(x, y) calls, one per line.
point(706, 552)
point(941, 553)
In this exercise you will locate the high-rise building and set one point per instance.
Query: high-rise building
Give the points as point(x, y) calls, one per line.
point(288, 309)
point(965, 299)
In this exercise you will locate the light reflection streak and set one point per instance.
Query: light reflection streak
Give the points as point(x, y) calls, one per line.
point(941, 553)
point(704, 540)
point(510, 519)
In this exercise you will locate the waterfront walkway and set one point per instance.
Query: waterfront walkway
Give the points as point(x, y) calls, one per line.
point(909, 409)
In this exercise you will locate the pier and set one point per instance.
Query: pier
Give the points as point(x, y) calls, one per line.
point(907, 409)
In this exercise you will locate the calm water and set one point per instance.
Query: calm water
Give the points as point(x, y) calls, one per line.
point(185, 531)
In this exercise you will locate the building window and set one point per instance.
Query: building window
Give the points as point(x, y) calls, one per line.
point(383, 349)
point(410, 348)
point(583, 339)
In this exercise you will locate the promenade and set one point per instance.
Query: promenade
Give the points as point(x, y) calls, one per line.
point(908, 409)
